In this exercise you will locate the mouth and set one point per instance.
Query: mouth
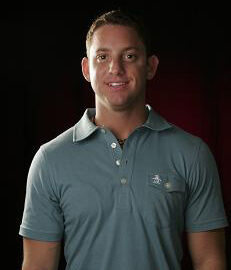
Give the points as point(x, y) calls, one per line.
point(117, 85)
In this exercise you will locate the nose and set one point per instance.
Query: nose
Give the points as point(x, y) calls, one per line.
point(116, 67)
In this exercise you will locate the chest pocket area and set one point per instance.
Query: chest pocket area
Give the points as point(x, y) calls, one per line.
point(164, 199)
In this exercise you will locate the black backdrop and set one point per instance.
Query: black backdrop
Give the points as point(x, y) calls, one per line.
point(47, 93)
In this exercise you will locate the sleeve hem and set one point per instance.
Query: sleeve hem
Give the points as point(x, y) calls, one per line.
point(207, 226)
point(38, 235)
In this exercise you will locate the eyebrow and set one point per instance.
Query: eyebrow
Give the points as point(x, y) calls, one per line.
point(125, 49)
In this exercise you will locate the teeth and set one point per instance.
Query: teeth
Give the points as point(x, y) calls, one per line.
point(117, 84)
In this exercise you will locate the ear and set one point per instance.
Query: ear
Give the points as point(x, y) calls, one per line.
point(85, 69)
point(152, 64)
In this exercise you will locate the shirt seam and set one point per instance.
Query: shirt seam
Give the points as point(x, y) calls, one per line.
point(52, 183)
point(195, 158)
point(39, 235)
point(221, 222)
point(38, 231)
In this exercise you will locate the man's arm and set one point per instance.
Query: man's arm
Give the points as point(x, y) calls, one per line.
point(207, 249)
point(40, 255)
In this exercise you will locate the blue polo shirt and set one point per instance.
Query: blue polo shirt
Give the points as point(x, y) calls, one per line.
point(124, 208)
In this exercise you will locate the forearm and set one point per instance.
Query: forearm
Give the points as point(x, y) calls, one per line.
point(34, 264)
point(208, 250)
point(28, 266)
point(39, 255)
point(212, 264)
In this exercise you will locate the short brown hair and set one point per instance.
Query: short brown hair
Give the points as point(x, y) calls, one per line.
point(118, 17)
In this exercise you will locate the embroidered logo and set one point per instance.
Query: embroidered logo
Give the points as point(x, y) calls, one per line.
point(156, 179)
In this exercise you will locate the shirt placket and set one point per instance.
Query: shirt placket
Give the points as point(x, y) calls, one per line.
point(123, 160)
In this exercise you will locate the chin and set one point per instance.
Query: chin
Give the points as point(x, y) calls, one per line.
point(119, 106)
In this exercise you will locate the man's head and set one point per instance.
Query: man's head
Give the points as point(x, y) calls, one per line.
point(118, 61)
point(117, 17)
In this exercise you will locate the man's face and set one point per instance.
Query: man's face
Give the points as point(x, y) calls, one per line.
point(117, 67)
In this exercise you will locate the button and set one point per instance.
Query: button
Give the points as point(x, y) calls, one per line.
point(103, 130)
point(118, 162)
point(123, 181)
point(167, 185)
point(113, 145)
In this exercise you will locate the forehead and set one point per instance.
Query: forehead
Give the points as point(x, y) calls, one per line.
point(115, 37)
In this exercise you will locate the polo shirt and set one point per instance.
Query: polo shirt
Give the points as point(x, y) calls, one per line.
point(124, 208)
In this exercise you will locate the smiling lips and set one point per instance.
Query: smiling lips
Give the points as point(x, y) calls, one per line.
point(117, 85)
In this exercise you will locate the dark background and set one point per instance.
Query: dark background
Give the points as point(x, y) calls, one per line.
point(47, 93)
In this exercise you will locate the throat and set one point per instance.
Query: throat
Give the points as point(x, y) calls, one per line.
point(120, 141)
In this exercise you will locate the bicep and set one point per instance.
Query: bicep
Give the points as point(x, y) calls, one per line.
point(40, 254)
point(207, 246)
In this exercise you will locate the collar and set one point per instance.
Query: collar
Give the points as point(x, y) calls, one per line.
point(155, 121)
point(84, 128)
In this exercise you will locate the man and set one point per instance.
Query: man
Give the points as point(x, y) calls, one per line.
point(123, 184)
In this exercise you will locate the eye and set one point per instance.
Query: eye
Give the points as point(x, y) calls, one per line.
point(101, 57)
point(130, 57)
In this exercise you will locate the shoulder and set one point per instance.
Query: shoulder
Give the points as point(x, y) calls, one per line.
point(188, 152)
point(179, 140)
point(59, 145)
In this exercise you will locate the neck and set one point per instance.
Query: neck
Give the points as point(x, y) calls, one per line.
point(123, 122)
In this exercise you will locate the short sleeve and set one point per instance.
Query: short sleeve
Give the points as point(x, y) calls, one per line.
point(42, 217)
point(204, 210)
